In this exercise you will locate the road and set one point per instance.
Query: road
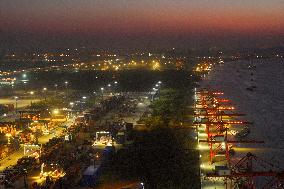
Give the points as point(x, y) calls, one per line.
point(205, 164)
point(121, 184)
point(20, 102)
point(132, 118)
point(140, 109)
point(13, 158)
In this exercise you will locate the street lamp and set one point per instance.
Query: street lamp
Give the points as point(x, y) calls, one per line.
point(32, 93)
point(25, 84)
point(109, 88)
point(16, 98)
point(44, 90)
point(55, 85)
point(115, 86)
point(66, 85)
point(102, 89)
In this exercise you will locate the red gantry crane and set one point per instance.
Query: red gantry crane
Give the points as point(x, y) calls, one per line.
point(251, 172)
point(211, 114)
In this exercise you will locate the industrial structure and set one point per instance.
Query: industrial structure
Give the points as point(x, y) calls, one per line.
point(218, 126)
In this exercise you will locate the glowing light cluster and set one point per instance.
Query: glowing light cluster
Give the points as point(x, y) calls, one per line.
point(234, 122)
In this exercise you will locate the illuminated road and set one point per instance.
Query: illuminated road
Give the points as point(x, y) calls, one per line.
point(13, 158)
point(140, 109)
point(20, 102)
point(121, 184)
point(205, 164)
point(132, 118)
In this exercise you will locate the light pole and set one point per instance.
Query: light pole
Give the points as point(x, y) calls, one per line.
point(55, 85)
point(153, 93)
point(25, 179)
point(84, 98)
point(109, 88)
point(44, 93)
point(32, 93)
point(71, 104)
point(66, 85)
point(115, 86)
point(25, 85)
point(102, 90)
point(16, 105)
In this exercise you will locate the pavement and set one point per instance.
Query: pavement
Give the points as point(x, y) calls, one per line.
point(13, 158)
point(122, 184)
point(140, 109)
point(205, 164)
point(20, 102)
point(131, 118)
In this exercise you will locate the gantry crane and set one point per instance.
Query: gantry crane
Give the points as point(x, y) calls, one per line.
point(211, 113)
point(245, 173)
point(249, 173)
point(223, 145)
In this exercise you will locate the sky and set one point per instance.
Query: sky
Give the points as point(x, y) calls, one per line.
point(141, 23)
